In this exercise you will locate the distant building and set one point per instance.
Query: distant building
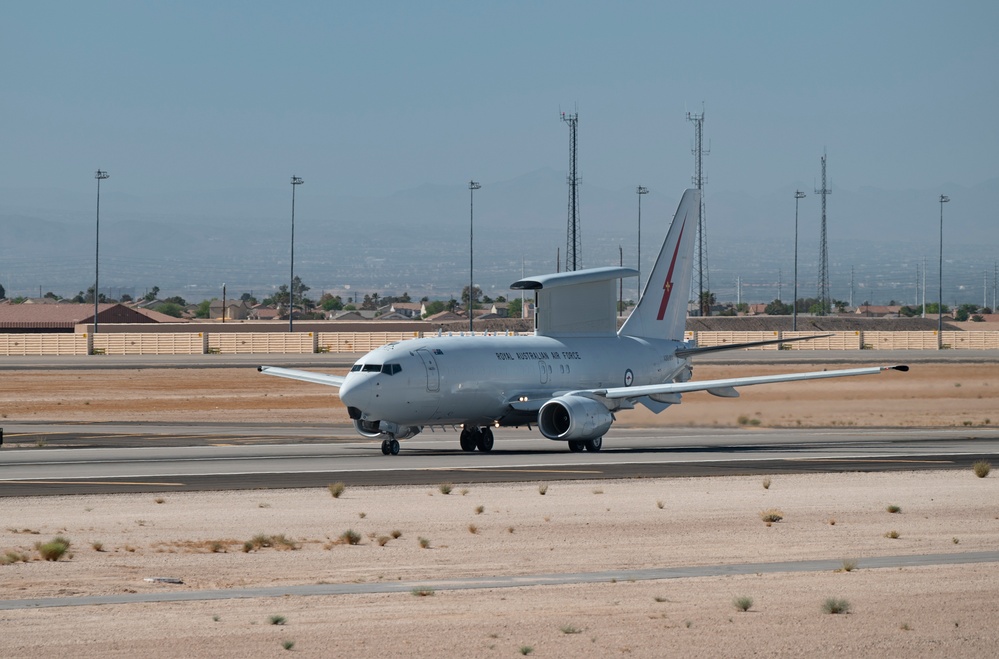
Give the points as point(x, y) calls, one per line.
point(234, 310)
point(56, 318)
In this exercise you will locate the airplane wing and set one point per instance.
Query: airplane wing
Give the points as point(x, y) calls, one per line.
point(305, 376)
point(726, 387)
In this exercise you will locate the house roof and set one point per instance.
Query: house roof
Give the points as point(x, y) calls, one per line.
point(65, 316)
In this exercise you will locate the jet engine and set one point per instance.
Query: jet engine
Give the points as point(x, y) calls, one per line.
point(376, 429)
point(574, 418)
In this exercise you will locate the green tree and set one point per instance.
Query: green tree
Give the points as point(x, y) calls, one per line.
point(176, 299)
point(330, 302)
point(204, 309)
point(778, 308)
point(170, 309)
point(434, 307)
point(151, 295)
point(707, 300)
point(3, 293)
point(476, 296)
point(515, 308)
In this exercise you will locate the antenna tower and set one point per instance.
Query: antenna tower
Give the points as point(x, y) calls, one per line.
point(573, 242)
point(701, 265)
point(823, 293)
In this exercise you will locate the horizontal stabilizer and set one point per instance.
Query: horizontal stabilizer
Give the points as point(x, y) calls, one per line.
point(690, 352)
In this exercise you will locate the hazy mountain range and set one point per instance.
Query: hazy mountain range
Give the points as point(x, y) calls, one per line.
point(416, 240)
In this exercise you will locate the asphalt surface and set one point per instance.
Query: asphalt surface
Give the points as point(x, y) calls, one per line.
point(50, 459)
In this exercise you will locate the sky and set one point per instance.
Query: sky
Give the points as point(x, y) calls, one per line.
point(370, 98)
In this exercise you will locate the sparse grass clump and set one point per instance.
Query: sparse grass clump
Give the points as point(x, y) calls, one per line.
point(479, 510)
point(543, 489)
point(277, 620)
point(263, 541)
point(569, 629)
point(337, 488)
point(397, 534)
point(383, 540)
point(287, 645)
point(771, 515)
point(743, 603)
point(981, 468)
point(473, 529)
point(10, 557)
point(423, 592)
point(766, 483)
point(892, 508)
point(526, 650)
point(54, 549)
point(659, 504)
point(159, 500)
point(893, 534)
point(97, 546)
point(445, 488)
point(834, 605)
point(848, 565)
point(350, 537)
point(424, 543)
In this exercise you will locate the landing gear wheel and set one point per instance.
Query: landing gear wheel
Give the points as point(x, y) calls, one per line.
point(394, 446)
point(386, 449)
point(594, 445)
point(466, 440)
point(575, 445)
point(485, 440)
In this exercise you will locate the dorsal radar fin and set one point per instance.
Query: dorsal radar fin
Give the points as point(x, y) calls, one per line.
point(662, 311)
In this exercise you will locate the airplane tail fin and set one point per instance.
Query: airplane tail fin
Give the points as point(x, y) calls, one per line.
point(662, 310)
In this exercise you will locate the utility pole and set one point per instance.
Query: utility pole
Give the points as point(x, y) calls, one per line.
point(472, 187)
point(295, 182)
point(573, 244)
point(640, 190)
point(701, 266)
point(100, 176)
point(798, 196)
point(823, 247)
point(943, 200)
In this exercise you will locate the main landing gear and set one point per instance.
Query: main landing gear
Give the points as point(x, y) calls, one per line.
point(390, 446)
point(476, 438)
point(592, 445)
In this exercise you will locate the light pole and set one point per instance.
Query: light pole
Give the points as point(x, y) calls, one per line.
point(943, 200)
point(295, 181)
point(100, 176)
point(472, 187)
point(798, 195)
point(640, 190)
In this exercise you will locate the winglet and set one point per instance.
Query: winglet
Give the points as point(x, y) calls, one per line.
point(897, 367)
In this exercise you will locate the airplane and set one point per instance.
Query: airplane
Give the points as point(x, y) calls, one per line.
point(570, 378)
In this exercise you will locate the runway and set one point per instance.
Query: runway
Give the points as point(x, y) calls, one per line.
point(49, 459)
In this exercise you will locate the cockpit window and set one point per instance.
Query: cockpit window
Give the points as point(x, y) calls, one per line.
point(391, 369)
point(355, 368)
point(371, 368)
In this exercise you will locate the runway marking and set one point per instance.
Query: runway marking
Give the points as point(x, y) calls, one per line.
point(892, 460)
point(34, 482)
point(514, 470)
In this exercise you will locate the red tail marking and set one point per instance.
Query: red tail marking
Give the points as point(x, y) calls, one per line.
point(668, 284)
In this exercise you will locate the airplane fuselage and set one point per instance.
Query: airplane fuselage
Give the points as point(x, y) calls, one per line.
point(473, 379)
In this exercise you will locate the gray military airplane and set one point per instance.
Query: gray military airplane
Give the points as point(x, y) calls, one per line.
point(569, 378)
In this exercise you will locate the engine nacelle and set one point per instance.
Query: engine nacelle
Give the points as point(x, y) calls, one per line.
point(385, 429)
point(574, 418)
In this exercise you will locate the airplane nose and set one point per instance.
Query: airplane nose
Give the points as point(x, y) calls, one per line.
point(355, 393)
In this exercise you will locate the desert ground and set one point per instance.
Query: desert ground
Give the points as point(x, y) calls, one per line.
point(513, 529)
